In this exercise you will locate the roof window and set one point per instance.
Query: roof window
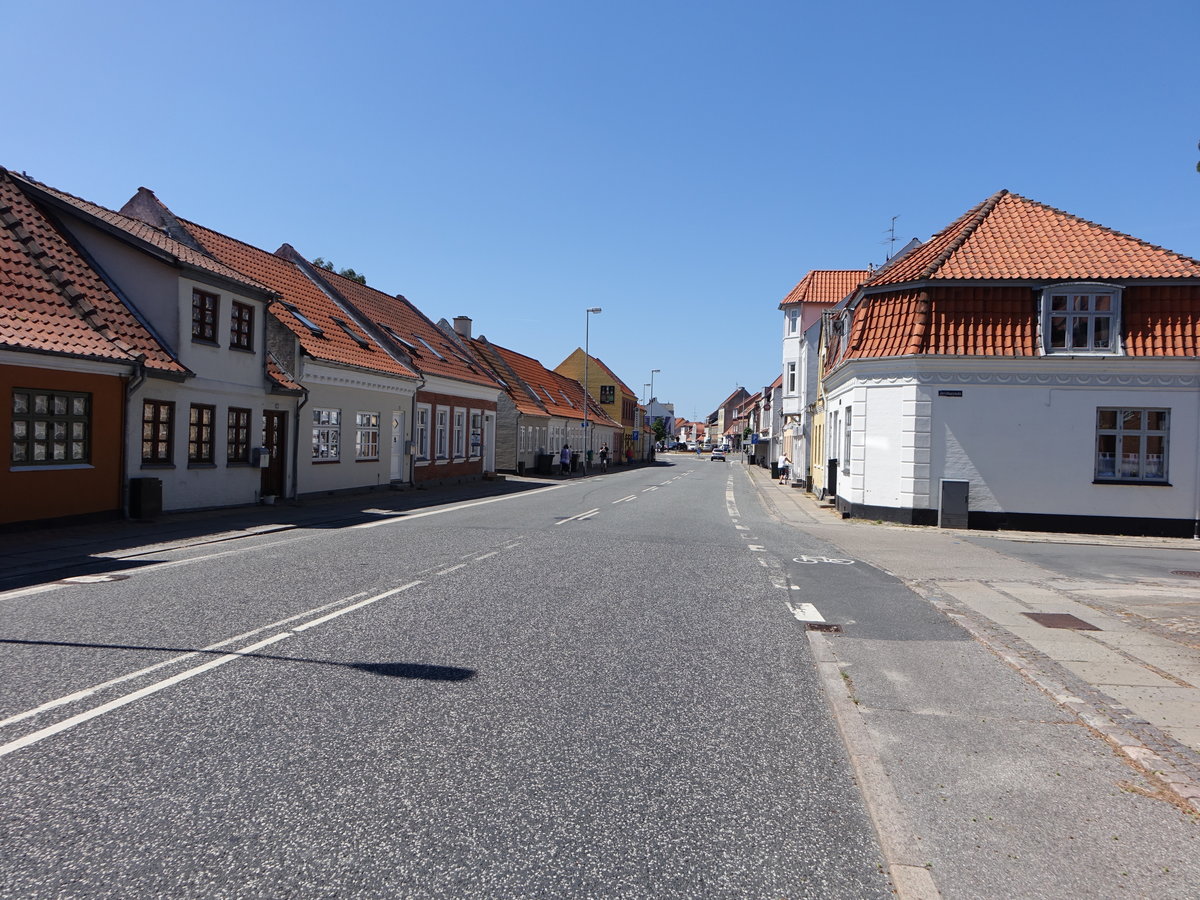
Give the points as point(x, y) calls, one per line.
point(394, 335)
point(304, 320)
point(430, 347)
point(354, 335)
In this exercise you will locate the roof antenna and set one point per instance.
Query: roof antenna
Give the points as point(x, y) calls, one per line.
point(891, 241)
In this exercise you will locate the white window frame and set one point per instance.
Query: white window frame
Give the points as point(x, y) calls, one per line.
point(366, 435)
point(441, 433)
point(1081, 306)
point(326, 435)
point(793, 320)
point(475, 434)
point(1117, 432)
point(460, 433)
point(791, 378)
point(847, 431)
point(421, 432)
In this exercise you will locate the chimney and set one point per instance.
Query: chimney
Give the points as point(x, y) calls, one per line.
point(462, 326)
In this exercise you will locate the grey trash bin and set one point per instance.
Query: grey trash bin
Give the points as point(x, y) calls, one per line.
point(145, 498)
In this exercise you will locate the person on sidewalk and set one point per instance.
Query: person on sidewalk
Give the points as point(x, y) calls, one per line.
point(604, 457)
point(564, 460)
point(629, 456)
point(785, 469)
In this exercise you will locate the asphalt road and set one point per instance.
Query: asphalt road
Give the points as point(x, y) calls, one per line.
point(598, 689)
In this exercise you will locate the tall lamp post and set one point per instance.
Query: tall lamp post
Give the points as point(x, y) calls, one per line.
point(649, 407)
point(587, 355)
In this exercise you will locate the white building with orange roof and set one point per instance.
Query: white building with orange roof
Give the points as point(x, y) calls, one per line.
point(1024, 369)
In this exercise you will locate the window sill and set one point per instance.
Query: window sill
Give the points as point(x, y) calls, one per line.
point(325, 462)
point(206, 342)
point(52, 467)
point(367, 459)
point(1131, 482)
point(249, 350)
point(421, 462)
point(146, 465)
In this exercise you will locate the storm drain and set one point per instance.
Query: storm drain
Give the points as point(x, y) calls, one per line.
point(1061, 620)
point(1186, 573)
point(823, 626)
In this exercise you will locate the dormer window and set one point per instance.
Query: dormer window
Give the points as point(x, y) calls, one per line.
point(1081, 318)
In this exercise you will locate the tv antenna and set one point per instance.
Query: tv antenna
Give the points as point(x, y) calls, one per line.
point(891, 241)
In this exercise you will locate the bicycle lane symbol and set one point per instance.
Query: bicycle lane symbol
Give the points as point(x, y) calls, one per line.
point(813, 560)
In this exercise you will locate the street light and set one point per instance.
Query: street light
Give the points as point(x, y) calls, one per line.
point(587, 355)
point(649, 406)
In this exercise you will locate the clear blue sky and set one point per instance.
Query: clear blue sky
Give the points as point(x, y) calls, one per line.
point(680, 164)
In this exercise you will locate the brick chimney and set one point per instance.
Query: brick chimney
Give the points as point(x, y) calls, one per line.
point(462, 326)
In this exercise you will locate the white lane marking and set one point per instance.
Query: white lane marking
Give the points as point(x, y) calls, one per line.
point(762, 562)
point(757, 548)
point(589, 515)
point(805, 612)
point(742, 527)
point(456, 508)
point(359, 605)
point(486, 555)
point(112, 682)
point(582, 515)
point(652, 488)
point(451, 569)
point(795, 587)
point(626, 499)
point(65, 724)
point(665, 483)
point(25, 592)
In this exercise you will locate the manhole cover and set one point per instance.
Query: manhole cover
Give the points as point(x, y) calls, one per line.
point(1061, 620)
point(1186, 573)
point(91, 579)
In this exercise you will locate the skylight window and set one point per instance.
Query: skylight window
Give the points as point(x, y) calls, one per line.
point(547, 393)
point(304, 320)
point(354, 335)
point(391, 332)
point(429, 347)
point(565, 397)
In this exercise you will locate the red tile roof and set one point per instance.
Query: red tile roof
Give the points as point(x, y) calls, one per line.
point(148, 235)
point(300, 295)
point(1011, 238)
point(431, 350)
point(51, 301)
point(522, 395)
point(825, 286)
point(557, 394)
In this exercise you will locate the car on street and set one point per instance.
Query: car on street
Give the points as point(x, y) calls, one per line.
point(718, 455)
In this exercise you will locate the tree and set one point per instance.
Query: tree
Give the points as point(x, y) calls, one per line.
point(327, 264)
point(660, 430)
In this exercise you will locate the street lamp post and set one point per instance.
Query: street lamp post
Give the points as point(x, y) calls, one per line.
point(650, 407)
point(587, 355)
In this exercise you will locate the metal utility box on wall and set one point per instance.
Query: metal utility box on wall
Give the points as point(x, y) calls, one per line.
point(260, 458)
point(145, 498)
point(953, 510)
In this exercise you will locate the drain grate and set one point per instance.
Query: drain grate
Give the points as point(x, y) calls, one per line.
point(1061, 620)
point(1186, 573)
point(823, 626)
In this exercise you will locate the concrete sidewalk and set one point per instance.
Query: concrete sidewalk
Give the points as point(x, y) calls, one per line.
point(1135, 678)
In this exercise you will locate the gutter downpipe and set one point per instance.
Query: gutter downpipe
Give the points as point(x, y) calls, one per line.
point(412, 424)
point(296, 445)
point(1196, 487)
point(135, 381)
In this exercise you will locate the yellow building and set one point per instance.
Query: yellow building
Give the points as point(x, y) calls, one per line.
point(609, 391)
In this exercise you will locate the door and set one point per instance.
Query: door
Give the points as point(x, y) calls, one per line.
point(489, 442)
point(398, 442)
point(274, 440)
point(954, 510)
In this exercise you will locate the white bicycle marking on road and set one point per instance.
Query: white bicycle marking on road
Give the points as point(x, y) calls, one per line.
point(813, 560)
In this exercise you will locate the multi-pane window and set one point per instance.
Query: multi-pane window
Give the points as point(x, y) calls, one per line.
point(442, 432)
point(241, 326)
point(460, 433)
point(421, 432)
point(201, 421)
point(793, 320)
point(846, 426)
point(237, 435)
point(791, 378)
point(158, 421)
point(476, 433)
point(366, 435)
point(1131, 444)
point(1080, 318)
point(326, 434)
point(51, 428)
point(204, 316)
point(608, 393)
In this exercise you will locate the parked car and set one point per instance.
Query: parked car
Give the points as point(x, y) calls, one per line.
point(718, 455)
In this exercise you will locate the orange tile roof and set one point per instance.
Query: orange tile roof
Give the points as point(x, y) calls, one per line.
point(825, 286)
point(430, 349)
point(1011, 238)
point(522, 395)
point(333, 344)
point(557, 394)
point(148, 234)
point(52, 301)
point(282, 379)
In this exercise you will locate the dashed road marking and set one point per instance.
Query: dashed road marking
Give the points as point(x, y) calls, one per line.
point(805, 612)
point(578, 517)
point(626, 499)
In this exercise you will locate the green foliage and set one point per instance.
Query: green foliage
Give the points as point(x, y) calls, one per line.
point(327, 264)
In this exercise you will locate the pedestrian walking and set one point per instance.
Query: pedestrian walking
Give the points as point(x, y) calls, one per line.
point(564, 460)
point(785, 469)
point(604, 457)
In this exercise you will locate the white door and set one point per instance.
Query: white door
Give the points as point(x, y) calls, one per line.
point(398, 441)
